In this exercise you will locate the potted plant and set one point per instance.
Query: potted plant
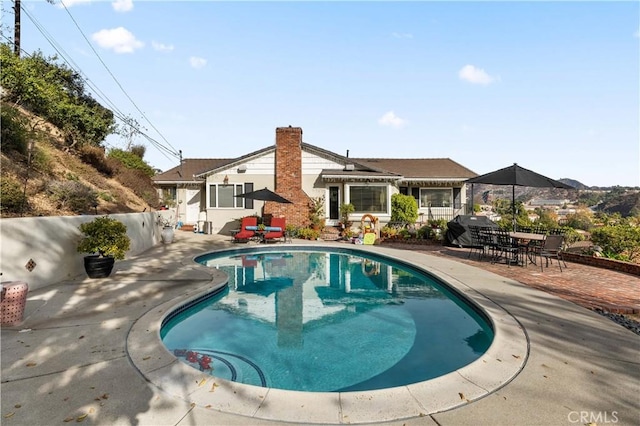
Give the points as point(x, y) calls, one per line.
point(316, 214)
point(105, 239)
point(166, 235)
point(345, 223)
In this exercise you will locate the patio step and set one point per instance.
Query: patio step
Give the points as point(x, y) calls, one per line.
point(330, 233)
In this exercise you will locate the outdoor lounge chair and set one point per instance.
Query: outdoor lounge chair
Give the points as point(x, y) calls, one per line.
point(551, 248)
point(245, 234)
point(276, 231)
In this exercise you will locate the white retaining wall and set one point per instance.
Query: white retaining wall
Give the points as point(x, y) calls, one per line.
point(51, 243)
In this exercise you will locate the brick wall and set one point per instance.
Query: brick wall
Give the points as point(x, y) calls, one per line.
point(288, 178)
point(601, 262)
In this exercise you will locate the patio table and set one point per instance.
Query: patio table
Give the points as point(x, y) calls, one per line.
point(524, 238)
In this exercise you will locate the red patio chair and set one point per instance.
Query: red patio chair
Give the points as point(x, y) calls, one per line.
point(274, 234)
point(245, 234)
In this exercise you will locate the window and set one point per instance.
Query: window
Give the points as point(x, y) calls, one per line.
point(435, 197)
point(169, 193)
point(369, 199)
point(224, 196)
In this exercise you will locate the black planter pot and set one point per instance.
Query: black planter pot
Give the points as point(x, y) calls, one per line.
point(98, 266)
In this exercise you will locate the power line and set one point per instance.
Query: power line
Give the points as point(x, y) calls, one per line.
point(164, 150)
point(173, 151)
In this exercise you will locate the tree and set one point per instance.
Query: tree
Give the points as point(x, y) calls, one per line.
point(57, 94)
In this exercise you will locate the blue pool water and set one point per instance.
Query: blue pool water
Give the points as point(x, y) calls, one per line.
point(336, 320)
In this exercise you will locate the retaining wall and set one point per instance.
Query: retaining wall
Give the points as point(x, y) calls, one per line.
point(49, 245)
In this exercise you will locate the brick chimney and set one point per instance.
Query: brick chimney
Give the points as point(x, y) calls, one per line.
point(288, 178)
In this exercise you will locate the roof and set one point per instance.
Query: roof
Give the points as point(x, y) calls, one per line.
point(427, 169)
point(189, 169)
point(419, 168)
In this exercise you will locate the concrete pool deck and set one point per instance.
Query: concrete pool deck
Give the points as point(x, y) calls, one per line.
point(87, 351)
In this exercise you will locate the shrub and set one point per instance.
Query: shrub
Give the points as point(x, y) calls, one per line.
point(424, 232)
point(73, 195)
point(404, 208)
point(388, 231)
point(12, 199)
point(140, 184)
point(132, 161)
point(308, 234)
point(618, 241)
point(105, 236)
point(94, 156)
point(14, 133)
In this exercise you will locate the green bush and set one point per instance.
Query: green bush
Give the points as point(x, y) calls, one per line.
point(308, 234)
point(105, 236)
point(424, 232)
point(404, 208)
point(14, 133)
point(56, 93)
point(140, 183)
point(12, 199)
point(618, 241)
point(73, 195)
point(132, 161)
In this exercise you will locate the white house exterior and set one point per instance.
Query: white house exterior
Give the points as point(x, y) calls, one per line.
point(206, 189)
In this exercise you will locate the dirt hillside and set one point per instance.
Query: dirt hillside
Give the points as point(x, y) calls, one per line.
point(51, 164)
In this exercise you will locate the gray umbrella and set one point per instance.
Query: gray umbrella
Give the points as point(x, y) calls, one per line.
point(264, 195)
point(517, 176)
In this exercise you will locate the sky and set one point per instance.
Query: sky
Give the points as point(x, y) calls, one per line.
point(552, 86)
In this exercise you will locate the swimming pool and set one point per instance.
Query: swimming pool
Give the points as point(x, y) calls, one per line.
point(331, 320)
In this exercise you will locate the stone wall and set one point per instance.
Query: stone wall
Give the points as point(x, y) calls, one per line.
point(47, 245)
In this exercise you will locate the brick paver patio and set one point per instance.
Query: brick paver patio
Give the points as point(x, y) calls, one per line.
point(588, 286)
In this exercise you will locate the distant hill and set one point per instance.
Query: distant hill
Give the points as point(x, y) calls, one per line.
point(627, 204)
point(576, 184)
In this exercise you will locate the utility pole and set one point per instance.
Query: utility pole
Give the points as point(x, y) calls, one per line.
point(16, 28)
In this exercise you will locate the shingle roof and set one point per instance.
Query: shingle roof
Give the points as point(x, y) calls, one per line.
point(409, 168)
point(190, 168)
point(416, 168)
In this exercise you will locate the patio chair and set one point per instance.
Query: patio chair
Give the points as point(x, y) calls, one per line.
point(276, 231)
point(507, 248)
point(245, 234)
point(551, 248)
point(476, 242)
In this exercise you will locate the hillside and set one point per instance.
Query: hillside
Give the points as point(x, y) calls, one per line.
point(53, 175)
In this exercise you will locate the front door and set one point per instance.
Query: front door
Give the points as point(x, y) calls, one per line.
point(334, 203)
point(193, 206)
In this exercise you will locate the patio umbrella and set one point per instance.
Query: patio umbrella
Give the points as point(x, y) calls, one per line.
point(517, 176)
point(264, 195)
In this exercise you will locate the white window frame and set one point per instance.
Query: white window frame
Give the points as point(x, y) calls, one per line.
point(238, 188)
point(387, 198)
point(426, 205)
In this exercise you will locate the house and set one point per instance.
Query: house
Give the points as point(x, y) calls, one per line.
point(206, 189)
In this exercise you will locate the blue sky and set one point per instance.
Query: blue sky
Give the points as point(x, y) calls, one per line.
point(552, 86)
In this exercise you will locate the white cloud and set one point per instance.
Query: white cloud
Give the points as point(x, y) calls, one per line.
point(475, 75)
point(118, 39)
point(197, 62)
point(70, 3)
point(161, 47)
point(402, 35)
point(122, 5)
point(637, 34)
point(391, 119)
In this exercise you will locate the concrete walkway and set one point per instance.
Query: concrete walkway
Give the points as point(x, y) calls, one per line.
point(69, 360)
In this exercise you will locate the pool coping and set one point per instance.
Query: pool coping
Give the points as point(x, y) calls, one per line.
point(500, 364)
